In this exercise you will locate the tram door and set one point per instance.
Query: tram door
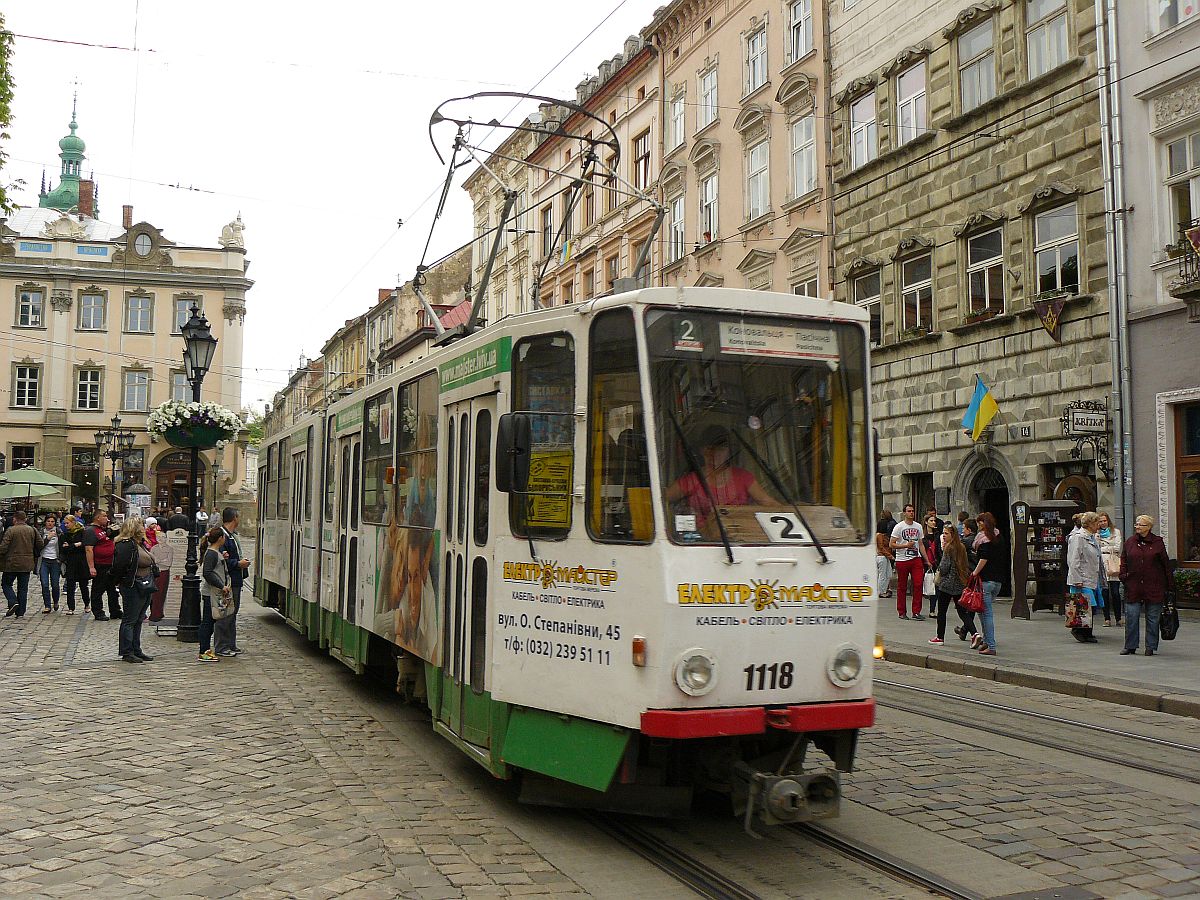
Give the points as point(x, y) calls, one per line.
point(348, 523)
point(466, 567)
point(296, 523)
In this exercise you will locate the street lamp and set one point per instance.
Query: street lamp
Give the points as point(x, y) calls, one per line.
point(119, 442)
point(198, 348)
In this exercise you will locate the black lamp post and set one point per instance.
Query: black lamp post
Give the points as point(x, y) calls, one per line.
point(119, 442)
point(198, 348)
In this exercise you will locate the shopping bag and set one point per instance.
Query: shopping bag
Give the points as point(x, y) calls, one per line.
point(972, 598)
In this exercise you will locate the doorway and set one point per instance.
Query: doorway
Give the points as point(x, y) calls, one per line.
point(990, 491)
point(171, 479)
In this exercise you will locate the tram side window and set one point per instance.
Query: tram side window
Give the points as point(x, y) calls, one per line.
point(272, 483)
point(618, 467)
point(330, 469)
point(416, 462)
point(283, 479)
point(544, 387)
point(308, 480)
point(378, 413)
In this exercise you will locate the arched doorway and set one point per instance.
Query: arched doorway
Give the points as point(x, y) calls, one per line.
point(171, 476)
point(990, 491)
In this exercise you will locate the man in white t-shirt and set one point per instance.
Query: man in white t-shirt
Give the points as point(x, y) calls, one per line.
point(910, 563)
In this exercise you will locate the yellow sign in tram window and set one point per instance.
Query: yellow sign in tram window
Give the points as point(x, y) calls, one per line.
point(550, 489)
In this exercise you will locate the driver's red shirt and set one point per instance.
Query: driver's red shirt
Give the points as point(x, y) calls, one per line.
point(735, 492)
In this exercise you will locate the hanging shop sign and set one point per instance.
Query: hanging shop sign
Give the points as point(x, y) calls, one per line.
point(1086, 422)
point(1050, 312)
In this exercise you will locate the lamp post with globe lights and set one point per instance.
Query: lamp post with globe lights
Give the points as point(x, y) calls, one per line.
point(119, 442)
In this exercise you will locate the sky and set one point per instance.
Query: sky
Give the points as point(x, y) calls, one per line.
point(313, 128)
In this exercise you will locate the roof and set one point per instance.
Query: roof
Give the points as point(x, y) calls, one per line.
point(458, 315)
point(31, 221)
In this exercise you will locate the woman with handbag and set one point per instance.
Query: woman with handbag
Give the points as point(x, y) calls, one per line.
point(1085, 575)
point(134, 572)
point(990, 570)
point(216, 596)
point(1145, 570)
point(951, 579)
point(1111, 546)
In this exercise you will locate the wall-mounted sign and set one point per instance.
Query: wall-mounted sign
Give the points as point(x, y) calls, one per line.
point(35, 247)
point(1086, 422)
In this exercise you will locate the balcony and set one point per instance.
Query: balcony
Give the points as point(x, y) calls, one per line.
point(1187, 251)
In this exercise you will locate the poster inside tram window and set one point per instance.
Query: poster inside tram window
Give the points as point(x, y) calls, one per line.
point(406, 607)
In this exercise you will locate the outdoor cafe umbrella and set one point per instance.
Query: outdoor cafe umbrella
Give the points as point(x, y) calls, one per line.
point(32, 476)
point(25, 491)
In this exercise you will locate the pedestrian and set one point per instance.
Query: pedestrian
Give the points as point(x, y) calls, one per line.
point(164, 558)
point(1145, 572)
point(885, 560)
point(952, 579)
point(20, 549)
point(910, 563)
point(74, 561)
point(178, 520)
point(1085, 575)
point(931, 541)
point(932, 511)
point(227, 644)
point(968, 534)
point(215, 592)
point(963, 518)
point(886, 523)
point(201, 518)
point(50, 563)
point(1111, 546)
point(99, 548)
point(133, 570)
point(992, 566)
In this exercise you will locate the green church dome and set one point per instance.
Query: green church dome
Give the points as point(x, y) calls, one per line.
point(72, 143)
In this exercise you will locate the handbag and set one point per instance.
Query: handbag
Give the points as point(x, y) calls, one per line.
point(929, 583)
point(1168, 620)
point(972, 596)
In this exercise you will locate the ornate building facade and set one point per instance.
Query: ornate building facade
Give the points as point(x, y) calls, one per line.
point(94, 311)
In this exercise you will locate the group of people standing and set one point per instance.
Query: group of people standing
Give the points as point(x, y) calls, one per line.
point(940, 560)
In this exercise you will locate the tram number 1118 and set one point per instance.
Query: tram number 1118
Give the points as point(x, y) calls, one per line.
point(763, 677)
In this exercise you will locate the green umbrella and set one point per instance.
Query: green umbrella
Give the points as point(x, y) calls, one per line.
point(23, 491)
point(30, 475)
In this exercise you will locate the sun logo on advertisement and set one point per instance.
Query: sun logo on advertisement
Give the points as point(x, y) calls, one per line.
point(548, 579)
point(764, 594)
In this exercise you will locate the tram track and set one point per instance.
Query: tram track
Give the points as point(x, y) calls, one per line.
point(1169, 750)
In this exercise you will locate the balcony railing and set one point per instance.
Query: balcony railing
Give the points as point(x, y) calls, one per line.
point(1187, 286)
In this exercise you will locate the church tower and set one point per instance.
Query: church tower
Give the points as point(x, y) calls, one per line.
point(65, 197)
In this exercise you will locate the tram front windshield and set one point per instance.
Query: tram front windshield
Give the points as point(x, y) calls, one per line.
point(761, 427)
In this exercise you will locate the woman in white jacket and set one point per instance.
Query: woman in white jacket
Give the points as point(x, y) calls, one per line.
point(1111, 547)
point(1085, 575)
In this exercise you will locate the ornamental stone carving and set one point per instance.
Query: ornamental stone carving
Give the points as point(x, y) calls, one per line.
point(913, 244)
point(905, 58)
point(231, 235)
point(1054, 191)
point(855, 89)
point(970, 17)
point(977, 222)
point(61, 301)
point(1177, 105)
point(234, 308)
point(796, 93)
point(64, 227)
point(862, 264)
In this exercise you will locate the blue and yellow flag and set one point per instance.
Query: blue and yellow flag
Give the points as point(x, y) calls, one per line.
point(981, 410)
point(567, 247)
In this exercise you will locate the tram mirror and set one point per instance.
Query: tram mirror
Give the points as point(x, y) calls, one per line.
point(513, 439)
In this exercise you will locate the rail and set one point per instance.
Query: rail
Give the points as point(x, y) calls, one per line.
point(1189, 254)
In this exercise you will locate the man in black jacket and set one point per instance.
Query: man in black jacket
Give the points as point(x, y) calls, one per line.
point(179, 520)
point(238, 565)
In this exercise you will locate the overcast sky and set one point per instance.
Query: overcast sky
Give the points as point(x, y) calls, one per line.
point(313, 127)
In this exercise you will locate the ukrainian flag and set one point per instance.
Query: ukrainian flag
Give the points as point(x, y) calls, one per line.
point(567, 248)
point(981, 410)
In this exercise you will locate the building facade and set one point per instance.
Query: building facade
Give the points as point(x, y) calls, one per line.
point(1158, 117)
point(93, 329)
point(745, 175)
point(969, 201)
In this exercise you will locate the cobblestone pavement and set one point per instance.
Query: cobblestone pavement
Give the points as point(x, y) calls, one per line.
point(248, 777)
point(1079, 819)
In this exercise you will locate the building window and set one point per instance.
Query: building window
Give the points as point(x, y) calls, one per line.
point(804, 157)
point(1173, 12)
point(706, 114)
point(1056, 249)
point(1187, 469)
point(612, 197)
point(976, 66)
point(180, 389)
point(1183, 179)
point(708, 209)
point(641, 160)
point(183, 311)
point(985, 273)
point(806, 288)
point(910, 103)
point(677, 128)
point(23, 456)
point(91, 312)
point(1045, 35)
point(612, 271)
point(756, 60)
point(864, 145)
point(30, 309)
point(589, 205)
point(866, 295)
point(83, 471)
point(137, 314)
point(800, 29)
point(916, 299)
point(142, 245)
point(675, 243)
point(27, 387)
point(547, 231)
point(589, 284)
point(568, 222)
point(758, 188)
point(135, 394)
point(87, 389)
point(518, 222)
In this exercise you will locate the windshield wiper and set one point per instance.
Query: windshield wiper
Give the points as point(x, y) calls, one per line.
point(777, 483)
point(708, 491)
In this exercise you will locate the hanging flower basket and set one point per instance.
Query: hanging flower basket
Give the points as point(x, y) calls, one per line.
point(200, 425)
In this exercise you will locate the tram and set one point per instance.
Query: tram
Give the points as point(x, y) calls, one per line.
point(621, 549)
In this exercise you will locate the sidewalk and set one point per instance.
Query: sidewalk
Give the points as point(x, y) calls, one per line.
point(1040, 653)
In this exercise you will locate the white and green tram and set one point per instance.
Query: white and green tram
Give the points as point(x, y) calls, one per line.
point(622, 549)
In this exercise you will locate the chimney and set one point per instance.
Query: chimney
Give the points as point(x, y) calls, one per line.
point(126, 216)
point(87, 198)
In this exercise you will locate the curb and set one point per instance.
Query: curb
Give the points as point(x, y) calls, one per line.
point(1110, 692)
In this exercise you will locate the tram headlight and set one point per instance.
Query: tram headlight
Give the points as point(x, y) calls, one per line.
point(696, 672)
point(845, 666)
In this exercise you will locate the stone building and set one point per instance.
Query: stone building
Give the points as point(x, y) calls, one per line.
point(1159, 122)
point(94, 331)
point(969, 201)
point(345, 355)
point(447, 285)
point(744, 143)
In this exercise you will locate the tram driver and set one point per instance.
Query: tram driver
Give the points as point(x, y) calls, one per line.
point(730, 485)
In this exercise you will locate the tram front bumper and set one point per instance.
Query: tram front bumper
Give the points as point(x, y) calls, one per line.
point(681, 724)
